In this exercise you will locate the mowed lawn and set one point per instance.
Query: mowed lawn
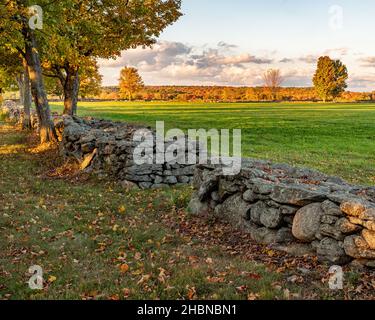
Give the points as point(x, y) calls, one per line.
point(337, 139)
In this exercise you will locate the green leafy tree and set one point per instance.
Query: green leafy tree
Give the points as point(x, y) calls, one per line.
point(330, 78)
point(90, 81)
point(87, 30)
point(130, 83)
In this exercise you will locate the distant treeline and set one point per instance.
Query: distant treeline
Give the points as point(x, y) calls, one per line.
point(228, 94)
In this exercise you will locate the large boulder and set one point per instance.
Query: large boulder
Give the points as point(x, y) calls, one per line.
point(306, 222)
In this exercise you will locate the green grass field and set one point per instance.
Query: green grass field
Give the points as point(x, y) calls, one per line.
point(338, 139)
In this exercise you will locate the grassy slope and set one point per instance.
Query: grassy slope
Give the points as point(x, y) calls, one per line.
point(338, 139)
point(95, 241)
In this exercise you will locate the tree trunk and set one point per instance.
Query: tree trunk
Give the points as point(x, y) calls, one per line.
point(46, 126)
point(27, 98)
point(21, 86)
point(71, 90)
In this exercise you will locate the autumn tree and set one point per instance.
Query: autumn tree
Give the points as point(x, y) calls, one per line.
point(273, 81)
point(330, 78)
point(130, 83)
point(90, 30)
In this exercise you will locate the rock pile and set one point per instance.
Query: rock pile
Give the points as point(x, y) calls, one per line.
point(297, 210)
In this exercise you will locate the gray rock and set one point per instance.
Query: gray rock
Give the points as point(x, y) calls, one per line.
point(137, 178)
point(183, 179)
point(330, 231)
point(140, 170)
point(264, 235)
point(227, 188)
point(215, 196)
point(271, 218)
point(262, 187)
point(235, 210)
point(296, 195)
point(331, 209)
point(307, 222)
point(207, 187)
point(288, 210)
point(284, 235)
point(145, 185)
point(338, 197)
point(250, 196)
point(289, 220)
point(332, 251)
point(90, 138)
point(73, 131)
point(170, 180)
point(184, 171)
point(196, 207)
point(256, 212)
point(158, 180)
point(327, 219)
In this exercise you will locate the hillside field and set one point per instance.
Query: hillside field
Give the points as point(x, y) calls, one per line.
point(337, 139)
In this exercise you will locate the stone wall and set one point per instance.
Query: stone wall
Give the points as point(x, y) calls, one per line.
point(296, 210)
point(107, 147)
point(15, 113)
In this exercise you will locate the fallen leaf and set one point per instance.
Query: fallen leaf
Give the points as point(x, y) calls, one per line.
point(122, 209)
point(124, 268)
point(191, 293)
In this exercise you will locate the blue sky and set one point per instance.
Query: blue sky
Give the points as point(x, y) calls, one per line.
point(233, 42)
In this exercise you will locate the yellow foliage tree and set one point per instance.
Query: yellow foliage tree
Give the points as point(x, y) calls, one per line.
point(130, 83)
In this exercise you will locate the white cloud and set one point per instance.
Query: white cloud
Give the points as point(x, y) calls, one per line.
point(176, 63)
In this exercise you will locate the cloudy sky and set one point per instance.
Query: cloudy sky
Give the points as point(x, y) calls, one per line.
point(222, 42)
